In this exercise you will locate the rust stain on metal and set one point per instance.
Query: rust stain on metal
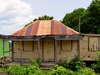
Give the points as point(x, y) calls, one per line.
point(52, 27)
point(63, 29)
point(28, 31)
point(56, 28)
point(35, 28)
point(22, 32)
point(45, 27)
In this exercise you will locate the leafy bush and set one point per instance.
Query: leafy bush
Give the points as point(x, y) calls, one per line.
point(34, 70)
point(17, 70)
point(85, 71)
point(39, 61)
point(36, 62)
point(74, 64)
point(22, 70)
point(3, 68)
point(96, 66)
point(59, 70)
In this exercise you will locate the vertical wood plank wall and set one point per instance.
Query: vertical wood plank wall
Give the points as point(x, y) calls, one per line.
point(66, 49)
point(88, 47)
point(47, 51)
point(28, 51)
point(69, 52)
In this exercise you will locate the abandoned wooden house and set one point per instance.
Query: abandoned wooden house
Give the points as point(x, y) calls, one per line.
point(52, 41)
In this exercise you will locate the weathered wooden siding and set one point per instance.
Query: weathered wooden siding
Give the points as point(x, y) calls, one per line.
point(68, 51)
point(89, 47)
point(30, 49)
point(48, 49)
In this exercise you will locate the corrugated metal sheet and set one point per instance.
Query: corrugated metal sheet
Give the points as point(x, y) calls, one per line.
point(45, 27)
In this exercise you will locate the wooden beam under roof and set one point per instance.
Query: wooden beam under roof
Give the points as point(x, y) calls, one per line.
point(30, 38)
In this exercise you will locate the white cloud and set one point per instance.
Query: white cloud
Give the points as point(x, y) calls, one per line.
point(14, 14)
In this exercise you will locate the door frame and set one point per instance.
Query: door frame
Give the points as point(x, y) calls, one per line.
point(43, 48)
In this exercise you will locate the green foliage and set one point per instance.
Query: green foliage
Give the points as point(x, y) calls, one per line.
point(34, 70)
point(26, 70)
point(28, 24)
point(17, 70)
point(22, 70)
point(59, 70)
point(96, 66)
point(75, 64)
point(72, 19)
point(39, 61)
point(91, 18)
point(45, 17)
point(36, 62)
point(85, 71)
point(3, 68)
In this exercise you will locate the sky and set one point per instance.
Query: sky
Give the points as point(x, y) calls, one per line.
point(14, 14)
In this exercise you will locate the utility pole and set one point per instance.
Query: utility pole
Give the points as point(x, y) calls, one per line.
point(79, 24)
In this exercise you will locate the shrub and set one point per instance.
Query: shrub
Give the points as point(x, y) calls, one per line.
point(96, 66)
point(85, 71)
point(3, 68)
point(74, 64)
point(17, 70)
point(36, 62)
point(22, 70)
point(34, 70)
point(39, 61)
point(59, 70)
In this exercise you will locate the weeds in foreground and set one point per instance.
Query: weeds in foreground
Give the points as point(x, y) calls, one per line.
point(72, 67)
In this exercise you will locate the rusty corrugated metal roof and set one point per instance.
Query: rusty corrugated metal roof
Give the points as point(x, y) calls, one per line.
point(45, 27)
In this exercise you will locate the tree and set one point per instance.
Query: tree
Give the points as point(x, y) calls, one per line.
point(91, 18)
point(72, 19)
point(45, 17)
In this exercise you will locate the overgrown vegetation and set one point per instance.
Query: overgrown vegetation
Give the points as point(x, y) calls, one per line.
point(96, 66)
point(60, 70)
point(85, 71)
point(36, 62)
point(75, 64)
point(24, 70)
point(71, 67)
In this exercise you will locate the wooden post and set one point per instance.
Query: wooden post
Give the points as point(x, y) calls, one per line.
point(42, 48)
point(56, 52)
point(3, 51)
point(21, 49)
point(12, 52)
point(78, 46)
point(39, 53)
